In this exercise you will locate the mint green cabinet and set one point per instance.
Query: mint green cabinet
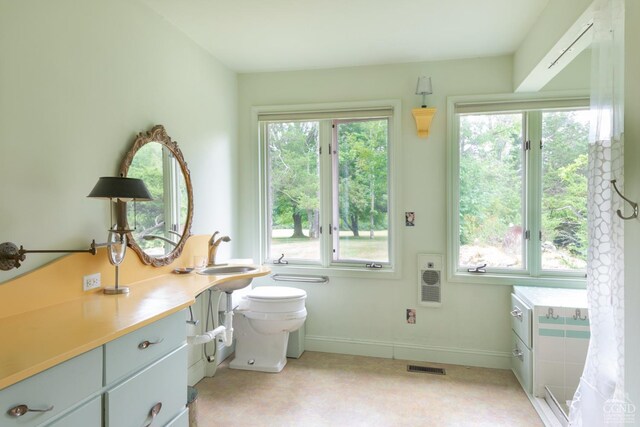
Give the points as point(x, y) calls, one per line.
point(134, 351)
point(114, 385)
point(87, 415)
point(164, 382)
point(53, 391)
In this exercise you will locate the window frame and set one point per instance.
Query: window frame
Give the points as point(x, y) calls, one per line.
point(327, 265)
point(532, 105)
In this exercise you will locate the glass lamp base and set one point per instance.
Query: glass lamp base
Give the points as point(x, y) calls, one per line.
point(116, 291)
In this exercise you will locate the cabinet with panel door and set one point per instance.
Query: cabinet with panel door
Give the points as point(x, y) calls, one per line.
point(144, 383)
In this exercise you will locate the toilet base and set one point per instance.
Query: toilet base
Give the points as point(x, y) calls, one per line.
point(258, 352)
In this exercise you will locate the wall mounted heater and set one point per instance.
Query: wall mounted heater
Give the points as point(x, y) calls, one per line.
point(430, 280)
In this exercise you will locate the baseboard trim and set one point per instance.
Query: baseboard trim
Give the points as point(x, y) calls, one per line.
point(196, 372)
point(422, 353)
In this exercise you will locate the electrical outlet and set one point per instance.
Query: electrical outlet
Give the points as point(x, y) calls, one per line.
point(92, 281)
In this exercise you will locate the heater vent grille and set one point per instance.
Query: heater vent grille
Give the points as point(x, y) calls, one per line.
point(430, 286)
point(426, 370)
point(430, 292)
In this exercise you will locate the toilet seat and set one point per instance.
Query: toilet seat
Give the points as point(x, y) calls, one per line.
point(280, 293)
point(274, 300)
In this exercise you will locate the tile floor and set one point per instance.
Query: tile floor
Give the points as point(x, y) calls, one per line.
point(323, 389)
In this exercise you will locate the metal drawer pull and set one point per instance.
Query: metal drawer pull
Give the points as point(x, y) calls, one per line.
point(517, 313)
point(20, 410)
point(146, 344)
point(518, 353)
point(155, 410)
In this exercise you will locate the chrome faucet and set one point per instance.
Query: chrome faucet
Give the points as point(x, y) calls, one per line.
point(213, 248)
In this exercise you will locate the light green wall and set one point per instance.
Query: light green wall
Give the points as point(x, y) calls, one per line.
point(78, 80)
point(632, 190)
point(368, 316)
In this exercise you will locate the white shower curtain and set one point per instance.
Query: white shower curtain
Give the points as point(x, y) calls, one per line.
point(598, 399)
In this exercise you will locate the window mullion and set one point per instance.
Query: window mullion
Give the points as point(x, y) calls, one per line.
point(534, 191)
point(326, 192)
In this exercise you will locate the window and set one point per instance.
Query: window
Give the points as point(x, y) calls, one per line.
point(327, 184)
point(519, 196)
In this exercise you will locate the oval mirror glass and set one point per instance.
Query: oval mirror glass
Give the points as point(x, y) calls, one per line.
point(161, 226)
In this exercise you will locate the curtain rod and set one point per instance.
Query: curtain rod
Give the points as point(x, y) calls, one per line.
point(571, 45)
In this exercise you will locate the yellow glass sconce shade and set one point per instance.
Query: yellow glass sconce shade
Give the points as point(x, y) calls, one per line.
point(423, 117)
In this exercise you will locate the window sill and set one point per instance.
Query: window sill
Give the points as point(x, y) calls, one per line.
point(511, 280)
point(346, 272)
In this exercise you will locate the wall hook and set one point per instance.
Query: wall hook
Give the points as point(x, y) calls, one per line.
point(578, 315)
point(551, 315)
point(634, 205)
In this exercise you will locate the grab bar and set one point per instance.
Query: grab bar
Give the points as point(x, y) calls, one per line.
point(299, 278)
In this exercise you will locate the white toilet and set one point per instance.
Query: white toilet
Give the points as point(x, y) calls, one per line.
point(261, 326)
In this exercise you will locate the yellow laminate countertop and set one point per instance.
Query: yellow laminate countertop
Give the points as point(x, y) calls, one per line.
point(35, 340)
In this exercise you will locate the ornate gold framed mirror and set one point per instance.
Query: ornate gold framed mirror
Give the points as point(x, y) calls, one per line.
point(163, 225)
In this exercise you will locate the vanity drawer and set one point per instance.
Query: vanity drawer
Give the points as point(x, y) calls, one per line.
point(181, 420)
point(88, 415)
point(521, 319)
point(130, 403)
point(521, 362)
point(59, 387)
point(137, 349)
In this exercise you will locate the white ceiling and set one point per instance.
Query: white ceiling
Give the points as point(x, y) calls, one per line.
point(276, 35)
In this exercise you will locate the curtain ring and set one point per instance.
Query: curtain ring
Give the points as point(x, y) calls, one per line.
point(634, 205)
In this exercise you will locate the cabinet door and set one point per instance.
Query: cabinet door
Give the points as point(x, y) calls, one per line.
point(521, 320)
point(521, 362)
point(58, 388)
point(164, 382)
point(88, 415)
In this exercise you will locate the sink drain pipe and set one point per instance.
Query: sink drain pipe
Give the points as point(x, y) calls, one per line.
point(225, 330)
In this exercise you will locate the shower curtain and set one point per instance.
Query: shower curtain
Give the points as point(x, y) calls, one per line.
point(599, 399)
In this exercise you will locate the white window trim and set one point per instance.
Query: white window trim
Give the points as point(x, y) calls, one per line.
point(559, 279)
point(395, 217)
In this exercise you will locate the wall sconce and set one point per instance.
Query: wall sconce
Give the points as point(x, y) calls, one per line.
point(12, 257)
point(423, 115)
point(119, 191)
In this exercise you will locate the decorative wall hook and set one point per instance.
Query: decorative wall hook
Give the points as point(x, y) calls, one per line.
point(634, 205)
point(551, 315)
point(578, 315)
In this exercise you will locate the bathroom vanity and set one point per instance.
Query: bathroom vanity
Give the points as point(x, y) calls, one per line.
point(89, 359)
point(144, 381)
point(550, 335)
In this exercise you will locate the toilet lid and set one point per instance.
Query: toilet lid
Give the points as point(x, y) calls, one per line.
point(276, 293)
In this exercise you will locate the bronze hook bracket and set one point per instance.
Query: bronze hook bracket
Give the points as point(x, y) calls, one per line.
point(634, 205)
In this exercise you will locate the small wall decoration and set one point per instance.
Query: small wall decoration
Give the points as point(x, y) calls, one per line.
point(411, 316)
point(410, 219)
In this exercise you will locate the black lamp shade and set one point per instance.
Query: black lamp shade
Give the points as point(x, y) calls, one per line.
point(124, 189)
